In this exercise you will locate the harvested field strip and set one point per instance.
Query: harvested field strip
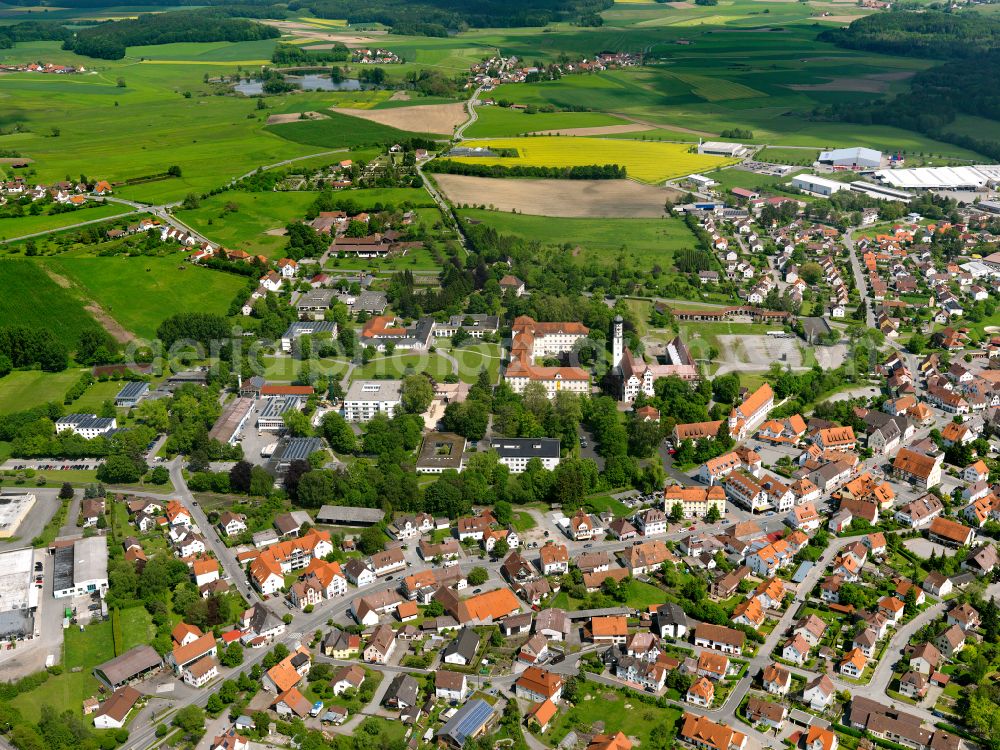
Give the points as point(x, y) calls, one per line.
point(422, 118)
point(565, 198)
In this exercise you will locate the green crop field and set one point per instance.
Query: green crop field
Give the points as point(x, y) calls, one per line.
point(605, 241)
point(340, 130)
point(141, 292)
point(33, 299)
point(496, 122)
point(24, 225)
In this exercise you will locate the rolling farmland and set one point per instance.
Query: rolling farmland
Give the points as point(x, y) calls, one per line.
point(647, 161)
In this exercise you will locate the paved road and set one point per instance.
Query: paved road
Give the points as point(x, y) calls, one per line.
point(286, 162)
point(66, 228)
point(860, 280)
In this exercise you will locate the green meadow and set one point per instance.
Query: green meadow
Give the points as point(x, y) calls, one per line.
point(603, 241)
point(31, 298)
point(141, 292)
point(23, 389)
point(497, 122)
point(24, 225)
point(257, 223)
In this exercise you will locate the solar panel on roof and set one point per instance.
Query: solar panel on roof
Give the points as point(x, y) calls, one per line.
point(467, 720)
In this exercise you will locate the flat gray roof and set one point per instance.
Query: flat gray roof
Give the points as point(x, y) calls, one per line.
point(349, 514)
point(374, 390)
point(526, 447)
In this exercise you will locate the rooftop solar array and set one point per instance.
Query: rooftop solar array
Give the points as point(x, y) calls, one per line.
point(467, 721)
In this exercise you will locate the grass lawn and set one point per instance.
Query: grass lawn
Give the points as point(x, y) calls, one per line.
point(523, 521)
point(620, 243)
point(399, 365)
point(256, 224)
point(55, 477)
point(286, 369)
point(643, 595)
point(84, 650)
point(94, 397)
point(24, 284)
point(619, 710)
point(22, 225)
point(141, 292)
point(23, 389)
point(473, 358)
point(601, 503)
point(798, 156)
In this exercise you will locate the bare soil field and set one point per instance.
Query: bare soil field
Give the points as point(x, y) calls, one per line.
point(601, 130)
point(563, 198)
point(423, 118)
point(295, 117)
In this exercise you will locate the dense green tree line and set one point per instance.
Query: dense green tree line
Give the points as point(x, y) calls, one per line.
point(109, 40)
point(24, 346)
point(438, 17)
point(295, 55)
point(920, 34)
point(580, 172)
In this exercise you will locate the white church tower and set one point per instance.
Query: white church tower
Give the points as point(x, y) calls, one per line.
point(617, 341)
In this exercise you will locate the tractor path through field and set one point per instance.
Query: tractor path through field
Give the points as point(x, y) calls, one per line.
point(121, 334)
point(66, 228)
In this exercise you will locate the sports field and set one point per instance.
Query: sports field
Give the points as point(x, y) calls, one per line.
point(649, 161)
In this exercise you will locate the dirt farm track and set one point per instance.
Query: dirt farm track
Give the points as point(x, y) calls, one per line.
point(566, 198)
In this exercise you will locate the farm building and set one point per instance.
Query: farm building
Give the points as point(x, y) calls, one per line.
point(852, 158)
point(816, 185)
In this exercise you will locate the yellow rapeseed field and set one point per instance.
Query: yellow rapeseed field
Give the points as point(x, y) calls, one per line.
point(649, 161)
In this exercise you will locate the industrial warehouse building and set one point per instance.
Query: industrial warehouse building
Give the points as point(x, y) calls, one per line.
point(816, 185)
point(976, 177)
point(80, 568)
point(14, 508)
point(18, 595)
point(852, 158)
point(717, 148)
